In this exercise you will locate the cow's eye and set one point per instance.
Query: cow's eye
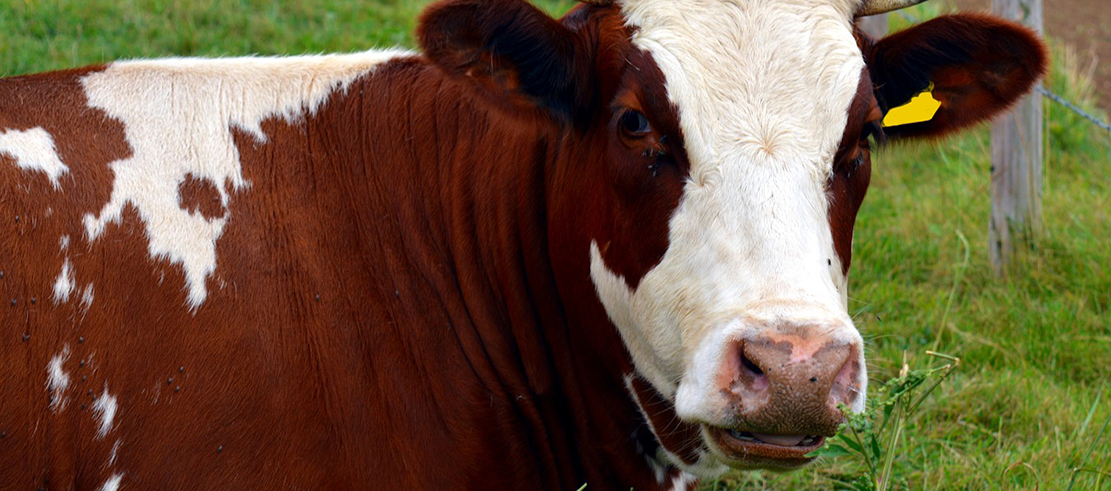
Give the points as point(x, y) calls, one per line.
point(635, 124)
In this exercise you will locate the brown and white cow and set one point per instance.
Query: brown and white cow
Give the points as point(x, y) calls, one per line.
point(611, 249)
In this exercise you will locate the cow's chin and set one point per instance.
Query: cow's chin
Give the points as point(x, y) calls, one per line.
point(750, 451)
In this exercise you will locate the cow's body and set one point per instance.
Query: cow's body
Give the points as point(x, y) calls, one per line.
point(362, 271)
point(349, 333)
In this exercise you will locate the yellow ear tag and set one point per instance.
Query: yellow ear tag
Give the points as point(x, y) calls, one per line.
point(921, 108)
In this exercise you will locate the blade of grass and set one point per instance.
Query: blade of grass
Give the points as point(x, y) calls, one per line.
point(957, 279)
point(1037, 480)
point(1076, 471)
point(1091, 413)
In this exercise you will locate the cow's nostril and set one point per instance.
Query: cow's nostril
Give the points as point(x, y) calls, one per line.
point(745, 374)
point(750, 365)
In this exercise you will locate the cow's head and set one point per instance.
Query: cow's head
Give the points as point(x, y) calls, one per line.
point(711, 156)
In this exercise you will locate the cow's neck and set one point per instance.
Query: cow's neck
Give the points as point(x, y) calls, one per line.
point(477, 234)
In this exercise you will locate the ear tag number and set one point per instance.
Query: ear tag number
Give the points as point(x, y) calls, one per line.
point(921, 108)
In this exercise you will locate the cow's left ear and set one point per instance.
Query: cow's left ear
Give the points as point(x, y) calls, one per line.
point(979, 66)
point(511, 51)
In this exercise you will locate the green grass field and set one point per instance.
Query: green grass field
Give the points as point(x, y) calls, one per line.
point(1027, 404)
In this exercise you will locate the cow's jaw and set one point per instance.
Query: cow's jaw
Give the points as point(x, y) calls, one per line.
point(763, 91)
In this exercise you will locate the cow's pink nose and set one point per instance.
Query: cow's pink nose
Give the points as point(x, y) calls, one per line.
point(791, 385)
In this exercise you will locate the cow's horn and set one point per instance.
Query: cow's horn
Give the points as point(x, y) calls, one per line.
point(873, 7)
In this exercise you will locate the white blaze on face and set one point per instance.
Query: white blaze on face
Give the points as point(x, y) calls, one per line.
point(33, 149)
point(763, 89)
point(178, 117)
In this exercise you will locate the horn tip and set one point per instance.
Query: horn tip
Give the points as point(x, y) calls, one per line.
point(876, 7)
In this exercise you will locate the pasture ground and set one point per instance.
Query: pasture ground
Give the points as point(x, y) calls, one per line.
point(1032, 393)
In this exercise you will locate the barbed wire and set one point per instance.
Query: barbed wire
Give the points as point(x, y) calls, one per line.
point(1073, 107)
point(1041, 90)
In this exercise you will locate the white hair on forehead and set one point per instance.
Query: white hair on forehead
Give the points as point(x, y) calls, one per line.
point(847, 6)
point(755, 80)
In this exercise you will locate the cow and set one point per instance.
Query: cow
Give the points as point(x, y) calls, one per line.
point(610, 249)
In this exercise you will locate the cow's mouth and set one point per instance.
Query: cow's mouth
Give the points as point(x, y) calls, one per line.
point(758, 450)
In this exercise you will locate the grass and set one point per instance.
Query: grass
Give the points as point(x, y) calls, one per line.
point(1027, 405)
point(874, 436)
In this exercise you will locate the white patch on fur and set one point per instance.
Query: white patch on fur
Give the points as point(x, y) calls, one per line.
point(105, 409)
point(648, 346)
point(63, 286)
point(178, 117)
point(657, 468)
point(113, 483)
point(113, 454)
point(763, 90)
point(87, 297)
point(63, 243)
point(840, 279)
point(33, 149)
point(683, 482)
point(57, 380)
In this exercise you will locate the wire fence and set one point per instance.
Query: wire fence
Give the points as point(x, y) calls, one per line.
point(1073, 107)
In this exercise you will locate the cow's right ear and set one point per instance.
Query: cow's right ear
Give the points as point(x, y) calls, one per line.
point(509, 50)
point(979, 66)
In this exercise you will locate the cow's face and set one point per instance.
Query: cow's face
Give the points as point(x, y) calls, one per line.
point(716, 155)
point(741, 320)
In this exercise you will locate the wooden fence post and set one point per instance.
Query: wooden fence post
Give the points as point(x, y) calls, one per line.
point(1016, 160)
point(875, 25)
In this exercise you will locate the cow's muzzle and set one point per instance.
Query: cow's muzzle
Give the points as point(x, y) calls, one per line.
point(783, 394)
